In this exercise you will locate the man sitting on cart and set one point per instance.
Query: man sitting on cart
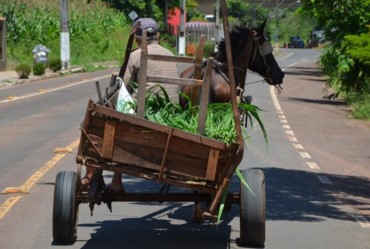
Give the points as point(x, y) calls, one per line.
point(158, 68)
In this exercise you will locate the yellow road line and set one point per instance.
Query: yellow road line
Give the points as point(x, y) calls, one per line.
point(39, 173)
point(7, 205)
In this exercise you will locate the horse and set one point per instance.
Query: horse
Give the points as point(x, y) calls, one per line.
point(261, 62)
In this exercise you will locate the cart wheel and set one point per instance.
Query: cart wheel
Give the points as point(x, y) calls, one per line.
point(65, 210)
point(253, 208)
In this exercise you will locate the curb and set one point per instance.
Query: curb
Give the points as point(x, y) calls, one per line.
point(12, 80)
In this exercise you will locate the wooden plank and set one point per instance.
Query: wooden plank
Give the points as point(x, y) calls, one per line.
point(142, 76)
point(168, 58)
point(148, 174)
point(108, 142)
point(198, 70)
point(92, 145)
point(154, 126)
point(212, 164)
point(85, 125)
point(138, 136)
point(150, 158)
point(128, 50)
point(176, 160)
point(199, 58)
point(165, 153)
point(205, 97)
point(123, 156)
point(141, 155)
point(214, 205)
point(174, 80)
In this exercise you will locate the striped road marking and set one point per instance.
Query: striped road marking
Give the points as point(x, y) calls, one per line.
point(362, 220)
point(25, 188)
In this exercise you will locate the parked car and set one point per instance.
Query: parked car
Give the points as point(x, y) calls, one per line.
point(295, 42)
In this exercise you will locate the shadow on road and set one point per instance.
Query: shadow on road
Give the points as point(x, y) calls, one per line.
point(299, 196)
point(292, 195)
point(304, 71)
point(153, 232)
point(336, 102)
point(169, 227)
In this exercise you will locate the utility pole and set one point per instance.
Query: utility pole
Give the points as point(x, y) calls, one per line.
point(217, 22)
point(277, 23)
point(64, 36)
point(254, 12)
point(182, 28)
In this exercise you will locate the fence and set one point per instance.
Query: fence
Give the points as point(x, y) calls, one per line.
point(213, 34)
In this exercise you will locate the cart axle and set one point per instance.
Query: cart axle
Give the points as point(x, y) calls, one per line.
point(155, 197)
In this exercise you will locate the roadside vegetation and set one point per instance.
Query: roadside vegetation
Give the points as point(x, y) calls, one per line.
point(98, 33)
point(99, 30)
point(346, 56)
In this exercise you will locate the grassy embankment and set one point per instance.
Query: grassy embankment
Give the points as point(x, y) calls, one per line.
point(97, 33)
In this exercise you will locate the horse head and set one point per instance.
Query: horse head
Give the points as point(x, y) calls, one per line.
point(262, 61)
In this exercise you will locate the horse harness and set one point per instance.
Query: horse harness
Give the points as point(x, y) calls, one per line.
point(264, 50)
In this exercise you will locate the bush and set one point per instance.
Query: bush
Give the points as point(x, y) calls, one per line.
point(209, 49)
point(55, 65)
point(39, 69)
point(23, 71)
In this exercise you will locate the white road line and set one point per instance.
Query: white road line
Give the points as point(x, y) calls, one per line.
point(289, 132)
point(15, 98)
point(324, 179)
point(283, 121)
point(313, 165)
point(275, 100)
point(290, 65)
point(293, 139)
point(305, 155)
point(298, 146)
point(287, 56)
point(362, 220)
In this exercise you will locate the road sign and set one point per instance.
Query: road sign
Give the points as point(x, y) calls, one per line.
point(133, 15)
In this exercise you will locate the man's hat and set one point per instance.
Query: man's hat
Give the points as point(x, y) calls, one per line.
point(149, 25)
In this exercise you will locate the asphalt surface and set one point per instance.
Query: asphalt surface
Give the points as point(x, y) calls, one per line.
point(317, 170)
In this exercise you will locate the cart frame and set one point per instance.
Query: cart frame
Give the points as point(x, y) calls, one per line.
point(129, 144)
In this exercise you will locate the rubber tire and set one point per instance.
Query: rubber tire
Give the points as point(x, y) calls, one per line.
point(253, 209)
point(65, 209)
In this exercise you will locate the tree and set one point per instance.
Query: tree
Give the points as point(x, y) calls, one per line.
point(339, 17)
point(245, 13)
point(346, 58)
point(145, 8)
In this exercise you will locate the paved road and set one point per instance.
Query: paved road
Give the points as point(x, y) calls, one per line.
point(317, 170)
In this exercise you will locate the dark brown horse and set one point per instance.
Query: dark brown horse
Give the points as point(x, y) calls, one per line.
point(262, 62)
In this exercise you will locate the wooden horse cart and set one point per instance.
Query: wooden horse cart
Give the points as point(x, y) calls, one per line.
point(131, 145)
